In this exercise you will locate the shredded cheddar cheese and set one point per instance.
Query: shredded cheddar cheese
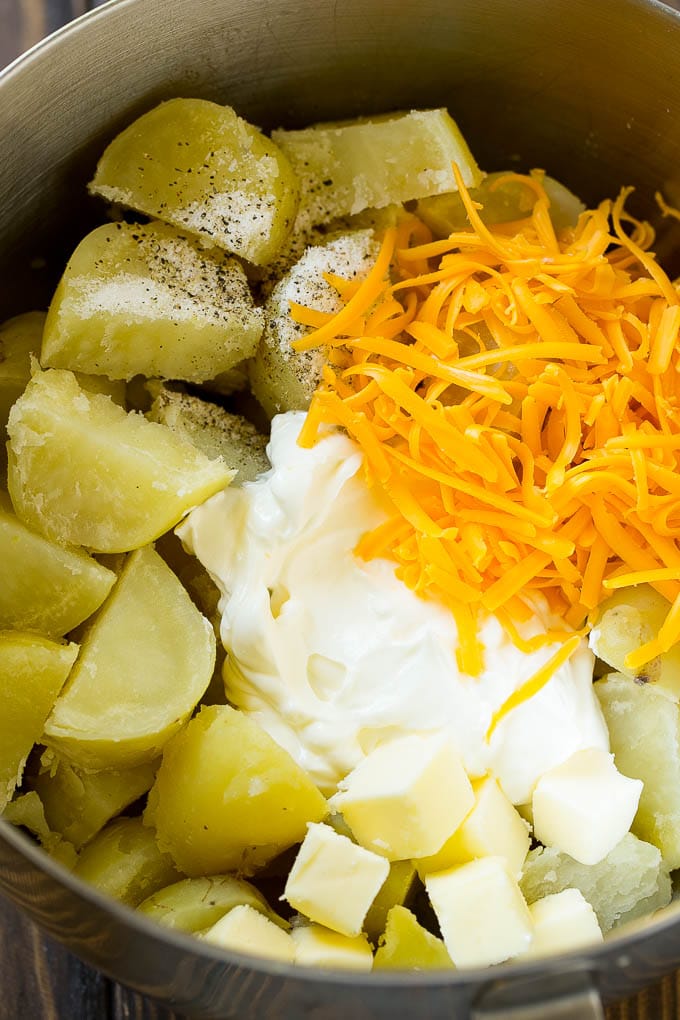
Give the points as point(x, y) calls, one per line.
point(515, 395)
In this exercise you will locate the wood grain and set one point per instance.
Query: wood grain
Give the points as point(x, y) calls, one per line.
point(25, 22)
point(38, 979)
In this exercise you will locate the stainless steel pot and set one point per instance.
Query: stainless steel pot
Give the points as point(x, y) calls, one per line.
point(590, 91)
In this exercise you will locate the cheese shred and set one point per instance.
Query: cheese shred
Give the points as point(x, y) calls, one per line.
point(515, 395)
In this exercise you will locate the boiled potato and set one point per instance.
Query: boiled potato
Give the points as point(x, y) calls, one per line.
point(206, 596)
point(375, 161)
point(630, 882)
point(19, 338)
point(283, 379)
point(502, 201)
point(147, 299)
point(644, 734)
point(193, 575)
point(27, 811)
point(124, 861)
point(45, 587)
point(33, 670)
point(83, 471)
point(195, 904)
point(406, 945)
point(396, 890)
point(78, 804)
point(144, 663)
point(378, 220)
point(627, 620)
point(227, 797)
point(20, 341)
point(214, 431)
point(199, 166)
point(235, 380)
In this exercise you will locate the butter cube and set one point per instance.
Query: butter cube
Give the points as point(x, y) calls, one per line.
point(316, 946)
point(406, 797)
point(482, 914)
point(333, 881)
point(248, 931)
point(494, 828)
point(584, 806)
point(562, 922)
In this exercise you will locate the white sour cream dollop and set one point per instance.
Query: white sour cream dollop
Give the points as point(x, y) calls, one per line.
point(333, 655)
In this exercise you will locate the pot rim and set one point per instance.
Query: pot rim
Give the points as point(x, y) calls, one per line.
point(577, 961)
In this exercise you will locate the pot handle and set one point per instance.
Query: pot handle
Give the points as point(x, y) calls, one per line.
point(570, 996)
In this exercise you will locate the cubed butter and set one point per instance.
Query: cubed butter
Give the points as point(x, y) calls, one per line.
point(246, 930)
point(316, 946)
point(562, 922)
point(584, 806)
point(333, 881)
point(406, 797)
point(494, 828)
point(482, 914)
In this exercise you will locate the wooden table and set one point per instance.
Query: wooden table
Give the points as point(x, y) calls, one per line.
point(38, 979)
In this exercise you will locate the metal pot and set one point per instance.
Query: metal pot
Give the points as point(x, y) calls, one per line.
point(590, 91)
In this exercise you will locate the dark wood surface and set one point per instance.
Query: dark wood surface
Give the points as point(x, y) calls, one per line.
point(38, 979)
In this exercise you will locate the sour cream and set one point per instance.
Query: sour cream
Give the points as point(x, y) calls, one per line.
point(333, 655)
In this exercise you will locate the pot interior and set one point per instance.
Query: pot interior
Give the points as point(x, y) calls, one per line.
point(590, 92)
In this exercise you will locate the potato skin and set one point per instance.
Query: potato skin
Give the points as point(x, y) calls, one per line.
point(196, 904)
point(227, 797)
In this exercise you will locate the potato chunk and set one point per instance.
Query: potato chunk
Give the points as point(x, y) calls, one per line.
point(630, 882)
point(283, 379)
point(201, 167)
point(227, 797)
point(45, 587)
point(144, 664)
point(32, 672)
point(375, 161)
point(503, 200)
point(397, 889)
point(628, 619)
point(27, 811)
point(19, 338)
point(644, 732)
point(78, 804)
point(20, 341)
point(124, 861)
point(406, 945)
point(149, 300)
point(195, 904)
point(83, 471)
point(214, 431)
